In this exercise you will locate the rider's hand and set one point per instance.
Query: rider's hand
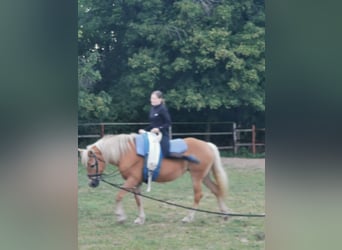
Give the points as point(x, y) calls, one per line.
point(155, 130)
point(141, 131)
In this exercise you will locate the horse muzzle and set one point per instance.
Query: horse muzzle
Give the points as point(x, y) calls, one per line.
point(93, 183)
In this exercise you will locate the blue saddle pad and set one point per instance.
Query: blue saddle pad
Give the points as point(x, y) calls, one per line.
point(177, 146)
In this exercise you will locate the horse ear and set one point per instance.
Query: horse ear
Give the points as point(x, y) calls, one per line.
point(81, 150)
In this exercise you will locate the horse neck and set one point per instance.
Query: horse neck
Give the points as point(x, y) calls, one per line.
point(113, 148)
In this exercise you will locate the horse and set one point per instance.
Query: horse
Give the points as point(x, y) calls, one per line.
point(120, 150)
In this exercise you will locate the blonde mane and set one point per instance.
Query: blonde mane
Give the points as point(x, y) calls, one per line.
point(84, 157)
point(113, 146)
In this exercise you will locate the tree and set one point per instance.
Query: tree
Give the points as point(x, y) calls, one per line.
point(204, 55)
point(91, 106)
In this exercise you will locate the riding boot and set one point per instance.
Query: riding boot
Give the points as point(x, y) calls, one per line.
point(190, 158)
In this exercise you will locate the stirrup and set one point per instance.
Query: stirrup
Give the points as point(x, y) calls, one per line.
point(149, 180)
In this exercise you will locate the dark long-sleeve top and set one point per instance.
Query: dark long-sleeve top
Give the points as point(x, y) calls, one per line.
point(159, 117)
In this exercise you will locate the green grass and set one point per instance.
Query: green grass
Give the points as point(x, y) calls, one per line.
point(242, 153)
point(163, 229)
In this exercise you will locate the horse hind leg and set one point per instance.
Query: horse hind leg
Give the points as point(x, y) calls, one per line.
point(197, 197)
point(215, 190)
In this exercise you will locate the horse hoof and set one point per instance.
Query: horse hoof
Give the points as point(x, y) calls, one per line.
point(186, 220)
point(121, 220)
point(139, 221)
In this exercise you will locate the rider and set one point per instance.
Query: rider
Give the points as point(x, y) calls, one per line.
point(160, 121)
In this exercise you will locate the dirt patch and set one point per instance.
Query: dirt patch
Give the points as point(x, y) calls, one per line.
point(243, 162)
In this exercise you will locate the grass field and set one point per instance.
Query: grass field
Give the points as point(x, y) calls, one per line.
point(163, 229)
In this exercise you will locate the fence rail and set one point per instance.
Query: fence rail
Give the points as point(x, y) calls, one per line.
point(225, 135)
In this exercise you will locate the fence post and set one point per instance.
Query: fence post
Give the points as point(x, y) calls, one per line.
point(102, 130)
point(170, 132)
point(234, 138)
point(253, 139)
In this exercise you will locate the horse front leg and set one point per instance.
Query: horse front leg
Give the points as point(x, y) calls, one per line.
point(119, 211)
point(141, 218)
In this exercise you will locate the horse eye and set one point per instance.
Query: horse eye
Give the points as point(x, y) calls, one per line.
point(92, 166)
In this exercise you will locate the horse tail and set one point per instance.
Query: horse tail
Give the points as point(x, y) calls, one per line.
point(219, 173)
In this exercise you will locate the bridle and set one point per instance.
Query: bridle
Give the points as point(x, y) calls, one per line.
point(97, 175)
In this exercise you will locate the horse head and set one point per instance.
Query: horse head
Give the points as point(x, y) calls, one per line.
point(92, 159)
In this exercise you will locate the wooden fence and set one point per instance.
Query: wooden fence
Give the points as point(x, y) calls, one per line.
point(226, 135)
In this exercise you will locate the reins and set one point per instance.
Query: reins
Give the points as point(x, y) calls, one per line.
point(181, 206)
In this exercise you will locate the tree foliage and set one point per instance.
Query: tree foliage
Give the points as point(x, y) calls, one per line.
point(203, 54)
point(88, 75)
point(93, 107)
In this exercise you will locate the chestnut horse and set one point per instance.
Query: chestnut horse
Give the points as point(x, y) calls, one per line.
point(120, 150)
